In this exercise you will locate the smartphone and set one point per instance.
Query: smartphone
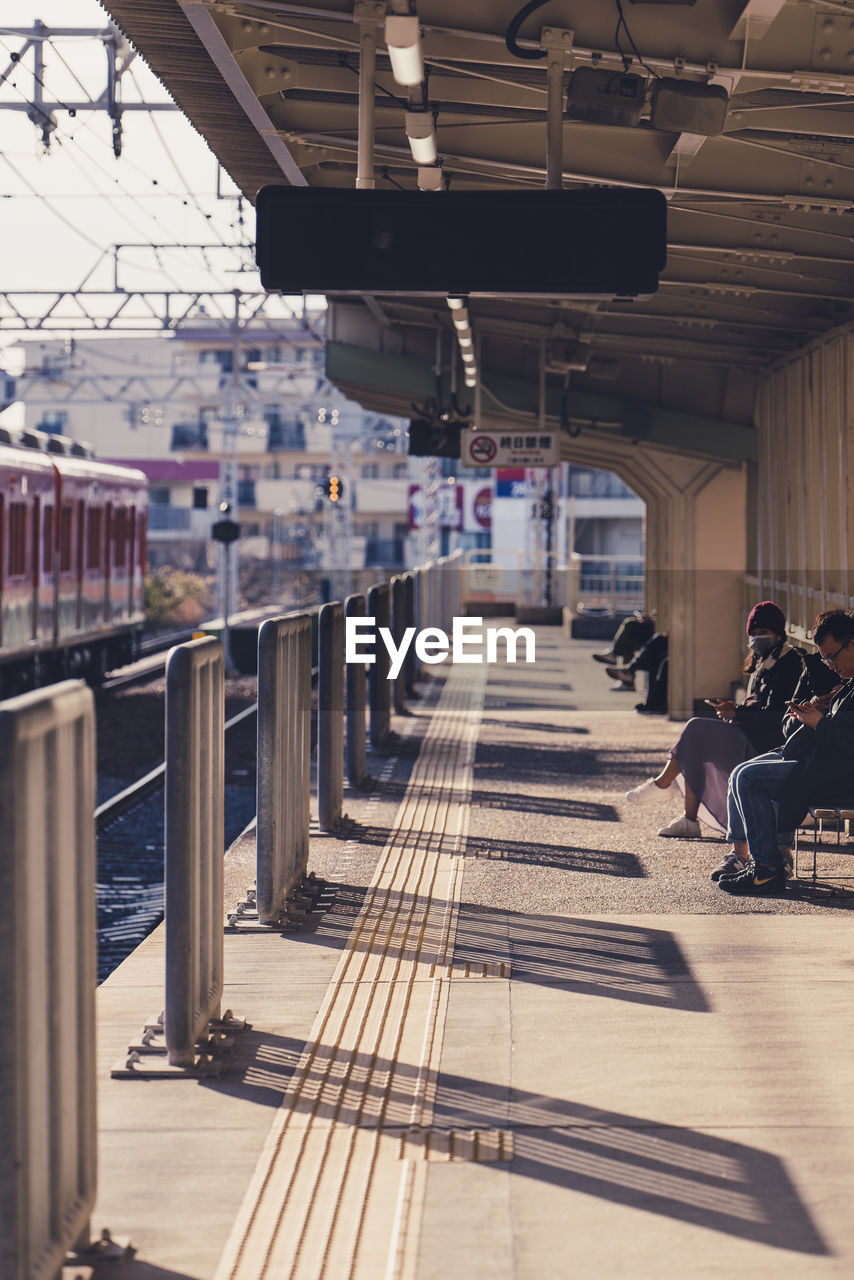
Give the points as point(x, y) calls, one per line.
point(712, 702)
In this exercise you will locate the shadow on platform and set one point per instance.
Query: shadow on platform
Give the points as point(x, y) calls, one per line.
point(679, 1173)
point(605, 862)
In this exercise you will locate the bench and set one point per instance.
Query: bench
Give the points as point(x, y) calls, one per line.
point(838, 818)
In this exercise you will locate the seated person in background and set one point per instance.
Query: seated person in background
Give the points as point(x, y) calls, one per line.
point(652, 659)
point(708, 750)
point(632, 635)
point(770, 796)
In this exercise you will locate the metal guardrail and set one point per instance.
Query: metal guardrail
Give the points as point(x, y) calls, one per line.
point(355, 606)
point(195, 805)
point(48, 962)
point(399, 624)
point(284, 761)
point(409, 617)
point(330, 716)
point(379, 685)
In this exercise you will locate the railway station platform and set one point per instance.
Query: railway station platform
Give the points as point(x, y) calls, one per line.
point(522, 1037)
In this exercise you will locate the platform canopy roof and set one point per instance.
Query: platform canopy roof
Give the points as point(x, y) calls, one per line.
point(761, 214)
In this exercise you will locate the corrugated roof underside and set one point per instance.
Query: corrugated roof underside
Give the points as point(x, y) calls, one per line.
point(170, 46)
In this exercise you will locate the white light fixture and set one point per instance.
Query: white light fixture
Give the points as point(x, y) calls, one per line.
point(464, 339)
point(403, 41)
point(460, 318)
point(456, 303)
point(421, 133)
point(470, 379)
point(468, 357)
point(430, 178)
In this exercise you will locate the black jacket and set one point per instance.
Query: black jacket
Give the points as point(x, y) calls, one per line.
point(816, 678)
point(761, 716)
point(824, 773)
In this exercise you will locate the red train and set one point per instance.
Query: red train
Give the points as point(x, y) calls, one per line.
point(72, 561)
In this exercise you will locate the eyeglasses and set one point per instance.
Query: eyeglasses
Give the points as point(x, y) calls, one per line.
point(831, 657)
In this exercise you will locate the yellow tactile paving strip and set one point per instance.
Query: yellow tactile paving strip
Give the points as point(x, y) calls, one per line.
point(337, 1191)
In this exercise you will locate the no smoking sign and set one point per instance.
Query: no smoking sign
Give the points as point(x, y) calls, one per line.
point(519, 448)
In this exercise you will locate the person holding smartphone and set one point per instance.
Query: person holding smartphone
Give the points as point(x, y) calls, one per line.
point(770, 795)
point(700, 762)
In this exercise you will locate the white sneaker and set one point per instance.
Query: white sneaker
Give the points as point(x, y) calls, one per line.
point(682, 827)
point(649, 790)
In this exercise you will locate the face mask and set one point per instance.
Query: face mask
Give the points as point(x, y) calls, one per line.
point(762, 644)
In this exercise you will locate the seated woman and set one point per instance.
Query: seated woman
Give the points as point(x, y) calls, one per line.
point(708, 750)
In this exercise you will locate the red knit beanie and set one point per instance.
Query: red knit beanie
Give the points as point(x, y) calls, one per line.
point(768, 616)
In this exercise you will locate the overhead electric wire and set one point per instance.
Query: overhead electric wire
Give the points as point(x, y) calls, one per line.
point(206, 216)
point(83, 235)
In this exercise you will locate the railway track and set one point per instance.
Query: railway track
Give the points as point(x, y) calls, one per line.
point(129, 828)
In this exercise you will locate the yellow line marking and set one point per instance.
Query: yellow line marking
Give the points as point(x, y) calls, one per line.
point(328, 1199)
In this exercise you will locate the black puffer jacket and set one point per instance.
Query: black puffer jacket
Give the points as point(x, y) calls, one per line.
point(824, 773)
point(761, 715)
point(816, 679)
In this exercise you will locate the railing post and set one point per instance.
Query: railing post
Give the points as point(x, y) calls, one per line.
point(378, 683)
point(398, 626)
point(355, 607)
point(409, 621)
point(195, 795)
point(284, 761)
point(330, 716)
point(49, 972)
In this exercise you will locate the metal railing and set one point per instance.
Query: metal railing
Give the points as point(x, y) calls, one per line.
point(615, 583)
point(355, 606)
point(330, 716)
point(284, 761)
point(399, 623)
point(379, 685)
point(48, 962)
point(195, 807)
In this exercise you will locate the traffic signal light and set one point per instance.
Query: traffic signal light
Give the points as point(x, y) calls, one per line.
point(334, 488)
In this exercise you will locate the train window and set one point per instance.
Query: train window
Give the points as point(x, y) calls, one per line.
point(94, 523)
point(143, 529)
point(81, 526)
point(131, 537)
point(37, 530)
point(47, 559)
point(17, 539)
point(108, 537)
point(65, 518)
point(120, 521)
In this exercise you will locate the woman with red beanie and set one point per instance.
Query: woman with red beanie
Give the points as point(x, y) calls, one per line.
point(708, 750)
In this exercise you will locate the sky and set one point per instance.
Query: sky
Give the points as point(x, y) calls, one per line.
point(64, 206)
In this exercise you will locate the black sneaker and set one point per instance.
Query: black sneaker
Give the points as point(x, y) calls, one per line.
point(758, 881)
point(608, 656)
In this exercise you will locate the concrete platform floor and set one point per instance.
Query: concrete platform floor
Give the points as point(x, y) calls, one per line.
point(528, 1039)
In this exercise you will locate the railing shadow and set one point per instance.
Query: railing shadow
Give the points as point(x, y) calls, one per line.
point(675, 1172)
point(607, 862)
point(592, 957)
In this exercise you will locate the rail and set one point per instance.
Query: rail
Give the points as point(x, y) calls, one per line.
point(47, 996)
point(195, 802)
point(111, 809)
